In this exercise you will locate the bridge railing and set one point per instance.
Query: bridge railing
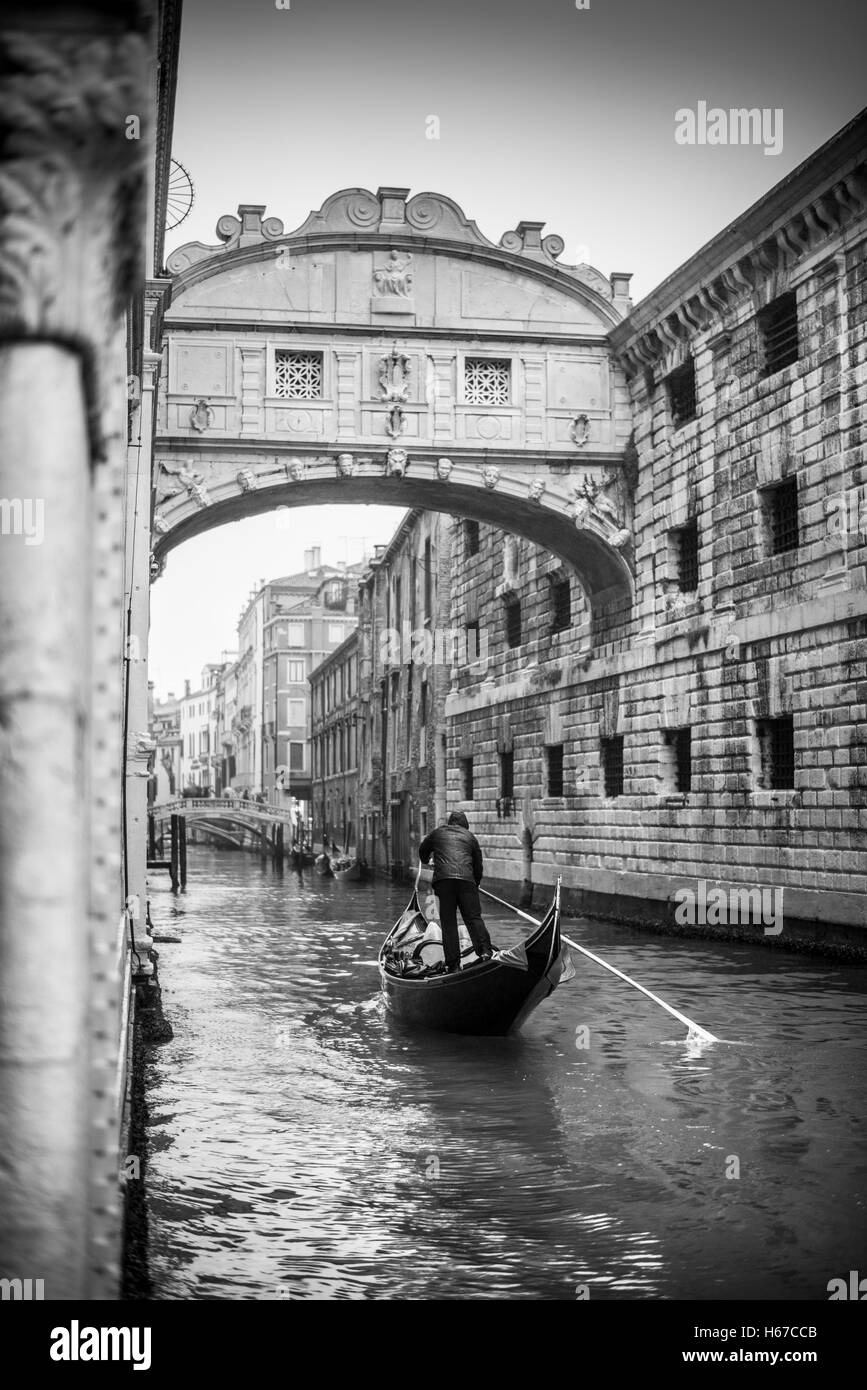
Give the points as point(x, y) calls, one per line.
point(234, 804)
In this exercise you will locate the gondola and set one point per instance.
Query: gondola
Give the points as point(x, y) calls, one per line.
point(488, 998)
point(348, 870)
point(322, 865)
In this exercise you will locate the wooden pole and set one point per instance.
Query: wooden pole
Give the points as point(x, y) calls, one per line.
point(174, 853)
point(182, 849)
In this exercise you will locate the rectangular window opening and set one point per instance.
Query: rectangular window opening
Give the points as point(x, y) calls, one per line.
point(777, 752)
point(681, 393)
point(554, 755)
point(612, 765)
point(778, 327)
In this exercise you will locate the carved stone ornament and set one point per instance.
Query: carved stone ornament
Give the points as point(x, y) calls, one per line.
point(72, 213)
point(157, 566)
point(396, 422)
point(491, 476)
point(444, 469)
point(535, 490)
point(346, 466)
point(396, 463)
point(161, 525)
point(295, 469)
point(201, 416)
point(187, 478)
point(246, 480)
point(579, 430)
point(396, 277)
point(200, 495)
point(394, 373)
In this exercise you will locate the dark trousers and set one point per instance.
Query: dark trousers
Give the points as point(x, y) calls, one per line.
point(454, 893)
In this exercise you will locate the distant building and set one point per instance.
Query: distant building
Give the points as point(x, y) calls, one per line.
point(286, 629)
point(334, 706)
point(164, 725)
point(406, 650)
point(199, 760)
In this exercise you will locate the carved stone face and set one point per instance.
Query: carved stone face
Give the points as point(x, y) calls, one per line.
point(535, 490)
point(346, 465)
point(444, 469)
point(581, 514)
point(491, 477)
point(246, 480)
point(397, 461)
point(295, 470)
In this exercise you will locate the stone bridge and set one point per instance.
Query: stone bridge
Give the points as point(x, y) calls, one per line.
point(387, 352)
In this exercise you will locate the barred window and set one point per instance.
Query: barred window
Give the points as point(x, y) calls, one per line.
point(778, 326)
point(486, 380)
point(513, 622)
point(679, 747)
point(298, 375)
point(685, 542)
point(780, 514)
point(466, 779)
point(777, 752)
point(555, 769)
point(612, 765)
point(561, 603)
point(681, 393)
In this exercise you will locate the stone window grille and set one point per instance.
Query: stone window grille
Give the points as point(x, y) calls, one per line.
point(778, 328)
point(297, 375)
point(779, 504)
point(512, 610)
point(466, 779)
point(487, 380)
point(678, 743)
point(681, 393)
point(554, 754)
point(776, 738)
point(612, 765)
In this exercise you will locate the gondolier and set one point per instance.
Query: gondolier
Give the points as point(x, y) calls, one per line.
point(458, 868)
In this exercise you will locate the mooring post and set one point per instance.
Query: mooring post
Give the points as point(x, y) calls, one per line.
point(182, 849)
point(173, 826)
point(152, 836)
point(278, 841)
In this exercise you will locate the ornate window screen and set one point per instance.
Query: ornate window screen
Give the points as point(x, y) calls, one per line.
point(298, 375)
point(486, 380)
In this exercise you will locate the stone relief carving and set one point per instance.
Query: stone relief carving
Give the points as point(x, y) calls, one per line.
point(396, 422)
point(491, 476)
point(161, 525)
point(592, 504)
point(396, 277)
point(444, 469)
point(396, 463)
point(346, 466)
point(157, 566)
point(535, 490)
point(246, 480)
point(201, 416)
point(295, 469)
point(200, 495)
point(394, 376)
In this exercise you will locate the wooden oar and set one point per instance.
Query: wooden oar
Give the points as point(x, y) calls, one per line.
point(695, 1029)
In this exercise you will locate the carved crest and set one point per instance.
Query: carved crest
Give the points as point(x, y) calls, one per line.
point(394, 376)
point(201, 416)
point(579, 430)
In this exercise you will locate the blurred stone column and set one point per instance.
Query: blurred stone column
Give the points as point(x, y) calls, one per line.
point(71, 262)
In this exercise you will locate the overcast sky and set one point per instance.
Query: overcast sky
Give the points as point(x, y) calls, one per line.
point(545, 112)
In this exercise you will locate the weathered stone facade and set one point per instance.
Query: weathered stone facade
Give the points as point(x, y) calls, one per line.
point(334, 749)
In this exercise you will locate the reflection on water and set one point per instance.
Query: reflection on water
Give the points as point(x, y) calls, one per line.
point(304, 1145)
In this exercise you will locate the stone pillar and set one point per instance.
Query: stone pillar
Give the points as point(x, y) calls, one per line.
point(71, 261)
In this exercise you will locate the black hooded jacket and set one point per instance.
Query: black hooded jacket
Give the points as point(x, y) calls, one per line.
point(456, 853)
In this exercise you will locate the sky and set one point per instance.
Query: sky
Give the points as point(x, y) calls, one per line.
point(545, 112)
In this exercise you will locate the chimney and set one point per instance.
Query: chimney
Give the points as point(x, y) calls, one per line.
point(171, 695)
point(186, 689)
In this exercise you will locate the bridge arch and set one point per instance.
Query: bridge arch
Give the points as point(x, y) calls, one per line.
point(387, 352)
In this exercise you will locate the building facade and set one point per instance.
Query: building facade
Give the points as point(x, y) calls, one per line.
point(334, 716)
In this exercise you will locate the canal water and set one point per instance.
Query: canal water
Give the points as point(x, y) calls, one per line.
point(304, 1146)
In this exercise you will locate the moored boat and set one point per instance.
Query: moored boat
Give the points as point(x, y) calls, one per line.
point(348, 870)
point(487, 998)
point(322, 865)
